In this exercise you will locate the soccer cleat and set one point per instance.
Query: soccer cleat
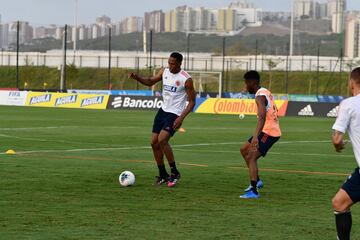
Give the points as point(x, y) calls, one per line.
point(160, 181)
point(259, 185)
point(174, 179)
point(250, 195)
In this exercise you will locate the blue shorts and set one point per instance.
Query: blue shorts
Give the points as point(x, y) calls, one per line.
point(265, 142)
point(352, 186)
point(164, 121)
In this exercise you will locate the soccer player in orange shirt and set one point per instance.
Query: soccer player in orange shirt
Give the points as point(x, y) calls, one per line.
point(265, 135)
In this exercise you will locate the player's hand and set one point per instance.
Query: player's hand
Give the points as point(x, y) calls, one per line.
point(178, 122)
point(254, 145)
point(132, 75)
point(339, 147)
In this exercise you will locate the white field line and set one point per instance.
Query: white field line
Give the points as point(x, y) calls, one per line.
point(270, 153)
point(148, 147)
point(60, 141)
point(129, 127)
point(58, 127)
point(36, 128)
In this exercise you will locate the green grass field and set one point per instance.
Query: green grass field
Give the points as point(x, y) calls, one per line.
point(63, 183)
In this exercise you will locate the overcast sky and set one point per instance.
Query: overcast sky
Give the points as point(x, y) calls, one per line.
point(62, 11)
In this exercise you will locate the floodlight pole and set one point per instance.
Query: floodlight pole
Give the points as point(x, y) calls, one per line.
point(318, 71)
point(76, 29)
point(341, 69)
point(291, 52)
point(17, 53)
point(256, 53)
point(150, 51)
point(63, 67)
point(188, 51)
point(287, 69)
point(109, 65)
point(223, 63)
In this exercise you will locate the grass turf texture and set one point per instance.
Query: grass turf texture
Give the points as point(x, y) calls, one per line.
point(73, 193)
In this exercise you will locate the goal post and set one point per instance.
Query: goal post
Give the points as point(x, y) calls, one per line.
point(207, 81)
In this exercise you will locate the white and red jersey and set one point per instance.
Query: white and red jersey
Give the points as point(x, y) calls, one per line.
point(174, 92)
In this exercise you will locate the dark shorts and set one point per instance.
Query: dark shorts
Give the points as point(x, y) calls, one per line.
point(164, 121)
point(352, 186)
point(265, 142)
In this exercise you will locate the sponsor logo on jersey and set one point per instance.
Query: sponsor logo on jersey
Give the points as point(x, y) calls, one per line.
point(40, 99)
point(307, 111)
point(170, 88)
point(92, 101)
point(65, 100)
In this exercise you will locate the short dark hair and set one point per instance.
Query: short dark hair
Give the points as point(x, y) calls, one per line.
point(355, 75)
point(177, 56)
point(252, 75)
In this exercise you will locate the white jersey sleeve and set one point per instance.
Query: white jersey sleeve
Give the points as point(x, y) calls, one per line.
point(348, 121)
point(343, 119)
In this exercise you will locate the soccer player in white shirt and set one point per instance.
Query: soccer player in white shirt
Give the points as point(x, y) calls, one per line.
point(178, 88)
point(348, 120)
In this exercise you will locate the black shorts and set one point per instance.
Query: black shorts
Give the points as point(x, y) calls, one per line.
point(352, 186)
point(164, 121)
point(265, 142)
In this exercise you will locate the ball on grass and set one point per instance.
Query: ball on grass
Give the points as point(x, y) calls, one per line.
point(127, 179)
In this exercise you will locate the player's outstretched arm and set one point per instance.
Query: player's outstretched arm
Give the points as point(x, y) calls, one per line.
point(150, 81)
point(190, 91)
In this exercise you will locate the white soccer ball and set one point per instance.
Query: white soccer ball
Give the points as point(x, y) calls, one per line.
point(126, 179)
point(241, 116)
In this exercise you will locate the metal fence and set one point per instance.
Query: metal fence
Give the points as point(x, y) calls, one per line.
point(321, 75)
point(196, 61)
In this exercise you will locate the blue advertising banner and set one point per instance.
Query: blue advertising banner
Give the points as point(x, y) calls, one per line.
point(147, 93)
point(302, 98)
point(330, 99)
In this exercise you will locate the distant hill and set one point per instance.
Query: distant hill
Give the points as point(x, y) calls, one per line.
point(271, 40)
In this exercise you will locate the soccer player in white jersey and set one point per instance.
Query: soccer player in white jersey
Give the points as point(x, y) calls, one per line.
point(348, 120)
point(178, 88)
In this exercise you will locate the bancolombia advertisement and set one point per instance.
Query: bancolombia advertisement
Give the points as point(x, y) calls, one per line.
point(135, 102)
point(236, 106)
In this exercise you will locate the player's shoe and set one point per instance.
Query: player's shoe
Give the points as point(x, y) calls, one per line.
point(174, 179)
point(250, 195)
point(259, 185)
point(160, 180)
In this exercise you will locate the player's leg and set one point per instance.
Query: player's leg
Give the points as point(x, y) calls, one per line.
point(244, 150)
point(157, 151)
point(348, 195)
point(252, 158)
point(159, 158)
point(341, 204)
point(265, 144)
point(164, 139)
